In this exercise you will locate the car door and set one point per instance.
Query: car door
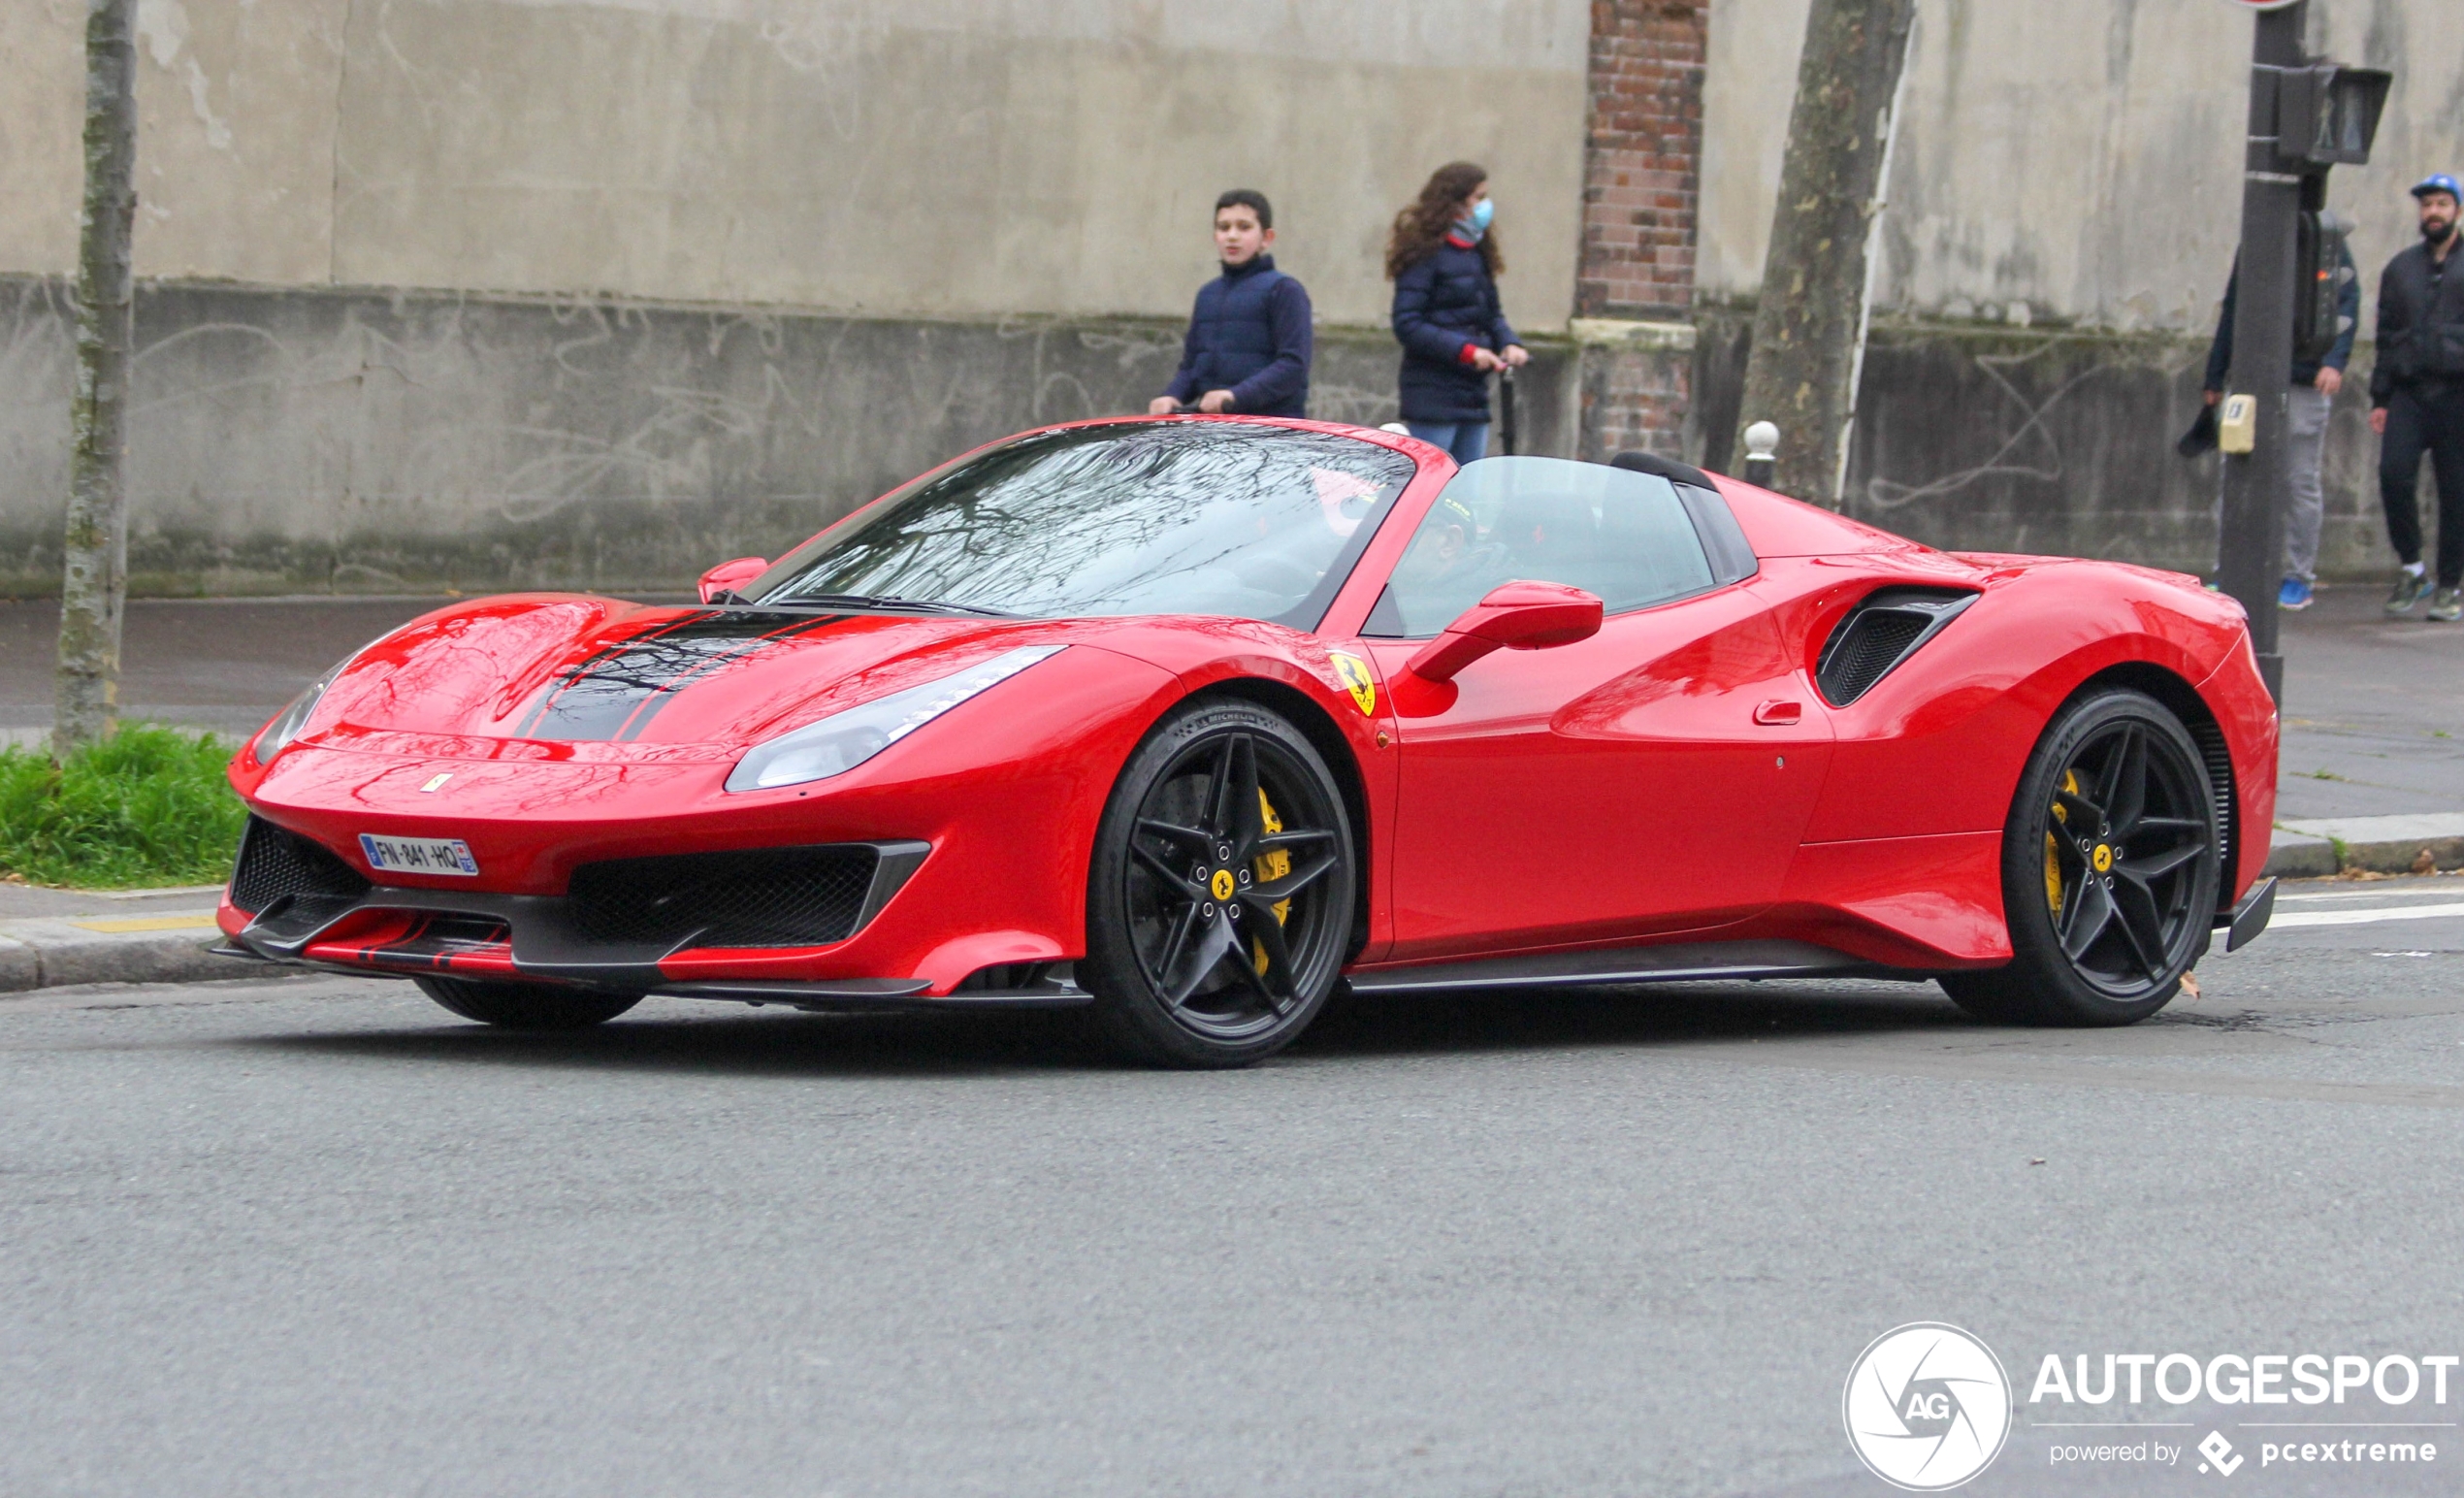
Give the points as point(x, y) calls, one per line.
point(1656, 777)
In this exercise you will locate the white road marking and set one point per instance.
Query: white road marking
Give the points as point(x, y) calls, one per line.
point(2447, 894)
point(2364, 917)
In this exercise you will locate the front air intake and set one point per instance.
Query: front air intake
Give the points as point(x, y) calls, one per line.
point(759, 897)
point(274, 862)
point(1880, 632)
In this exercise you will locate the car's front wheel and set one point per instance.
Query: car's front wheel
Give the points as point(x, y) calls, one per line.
point(525, 1006)
point(1219, 901)
point(2109, 870)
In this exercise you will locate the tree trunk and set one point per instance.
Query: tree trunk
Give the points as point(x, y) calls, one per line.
point(1809, 319)
point(95, 583)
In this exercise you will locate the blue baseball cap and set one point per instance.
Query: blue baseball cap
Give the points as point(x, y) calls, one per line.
point(2439, 181)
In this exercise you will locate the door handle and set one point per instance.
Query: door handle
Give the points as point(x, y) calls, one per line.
point(1777, 712)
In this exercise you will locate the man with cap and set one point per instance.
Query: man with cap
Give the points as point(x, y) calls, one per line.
point(2416, 397)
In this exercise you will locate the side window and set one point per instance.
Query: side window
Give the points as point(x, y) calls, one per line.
point(1613, 532)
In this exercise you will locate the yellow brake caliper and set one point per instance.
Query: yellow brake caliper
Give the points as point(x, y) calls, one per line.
point(1269, 868)
point(2053, 859)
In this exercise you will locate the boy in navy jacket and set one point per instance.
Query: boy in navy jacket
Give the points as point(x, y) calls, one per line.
point(1247, 348)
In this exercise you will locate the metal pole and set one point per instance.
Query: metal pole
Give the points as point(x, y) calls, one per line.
point(2250, 551)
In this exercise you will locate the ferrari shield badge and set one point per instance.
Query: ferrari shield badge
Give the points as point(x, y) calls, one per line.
point(1354, 672)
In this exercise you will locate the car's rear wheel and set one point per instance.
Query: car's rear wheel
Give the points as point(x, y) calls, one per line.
point(525, 1006)
point(1219, 901)
point(2109, 870)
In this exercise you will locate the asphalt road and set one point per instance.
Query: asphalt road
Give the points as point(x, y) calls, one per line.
point(316, 1236)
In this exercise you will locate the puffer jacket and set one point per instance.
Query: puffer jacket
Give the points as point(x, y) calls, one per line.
point(1249, 333)
point(1445, 305)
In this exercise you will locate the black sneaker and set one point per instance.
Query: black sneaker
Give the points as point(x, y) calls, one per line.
point(2446, 606)
point(2408, 588)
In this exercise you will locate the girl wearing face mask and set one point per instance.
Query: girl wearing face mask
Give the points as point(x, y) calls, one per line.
point(1445, 261)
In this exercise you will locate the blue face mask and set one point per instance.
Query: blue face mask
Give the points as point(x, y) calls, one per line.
point(1483, 213)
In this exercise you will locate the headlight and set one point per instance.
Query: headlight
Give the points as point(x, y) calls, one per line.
point(286, 724)
point(832, 745)
point(275, 736)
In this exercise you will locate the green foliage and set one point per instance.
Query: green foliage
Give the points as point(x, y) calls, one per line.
point(147, 806)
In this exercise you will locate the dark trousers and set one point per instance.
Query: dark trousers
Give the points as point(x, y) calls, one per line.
point(2425, 418)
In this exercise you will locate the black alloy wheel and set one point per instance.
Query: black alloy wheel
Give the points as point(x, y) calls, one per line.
point(1219, 903)
point(525, 1006)
point(2109, 870)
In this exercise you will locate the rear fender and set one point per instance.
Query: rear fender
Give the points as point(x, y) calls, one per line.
point(1938, 745)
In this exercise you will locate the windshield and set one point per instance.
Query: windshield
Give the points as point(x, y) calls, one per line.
point(1169, 518)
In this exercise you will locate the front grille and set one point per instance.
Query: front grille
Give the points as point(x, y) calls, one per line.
point(274, 862)
point(762, 898)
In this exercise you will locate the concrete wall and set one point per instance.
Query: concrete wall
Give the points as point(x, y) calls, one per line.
point(2064, 204)
point(2076, 161)
point(476, 292)
point(895, 157)
point(481, 292)
point(359, 442)
point(2057, 440)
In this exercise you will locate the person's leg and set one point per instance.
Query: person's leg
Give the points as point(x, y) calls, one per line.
point(1470, 441)
point(1437, 434)
point(2443, 420)
point(2307, 447)
point(2399, 471)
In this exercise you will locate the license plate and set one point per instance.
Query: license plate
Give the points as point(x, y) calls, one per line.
point(417, 854)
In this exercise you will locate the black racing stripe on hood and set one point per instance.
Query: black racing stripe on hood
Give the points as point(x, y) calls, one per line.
point(613, 693)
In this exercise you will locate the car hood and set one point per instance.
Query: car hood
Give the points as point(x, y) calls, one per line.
point(584, 677)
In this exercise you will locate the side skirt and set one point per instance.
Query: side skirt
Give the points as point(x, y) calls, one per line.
point(1682, 963)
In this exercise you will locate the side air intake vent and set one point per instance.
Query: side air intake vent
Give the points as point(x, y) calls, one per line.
point(2220, 782)
point(274, 862)
point(1879, 634)
point(770, 898)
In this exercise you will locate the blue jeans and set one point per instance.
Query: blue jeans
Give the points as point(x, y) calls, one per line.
point(1467, 440)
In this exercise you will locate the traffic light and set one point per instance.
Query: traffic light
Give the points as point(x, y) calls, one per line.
point(2327, 115)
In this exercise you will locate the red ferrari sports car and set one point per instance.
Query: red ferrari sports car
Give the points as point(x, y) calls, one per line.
point(1189, 720)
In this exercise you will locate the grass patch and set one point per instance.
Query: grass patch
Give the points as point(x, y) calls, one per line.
point(147, 806)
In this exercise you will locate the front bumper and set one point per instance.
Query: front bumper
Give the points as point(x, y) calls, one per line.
point(2250, 916)
point(712, 926)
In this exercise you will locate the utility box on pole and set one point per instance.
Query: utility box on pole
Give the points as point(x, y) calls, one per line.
point(2306, 115)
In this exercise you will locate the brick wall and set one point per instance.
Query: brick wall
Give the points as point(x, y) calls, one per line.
point(1643, 153)
point(1634, 398)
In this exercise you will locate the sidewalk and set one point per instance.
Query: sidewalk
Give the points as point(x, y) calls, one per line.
point(52, 938)
point(2373, 768)
point(2373, 755)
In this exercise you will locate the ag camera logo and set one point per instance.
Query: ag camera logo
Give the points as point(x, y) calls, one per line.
point(1928, 1406)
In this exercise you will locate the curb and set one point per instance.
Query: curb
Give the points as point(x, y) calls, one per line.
point(2381, 845)
point(2295, 856)
point(167, 948)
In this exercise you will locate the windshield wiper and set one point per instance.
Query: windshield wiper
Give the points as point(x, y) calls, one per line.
point(880, 600)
